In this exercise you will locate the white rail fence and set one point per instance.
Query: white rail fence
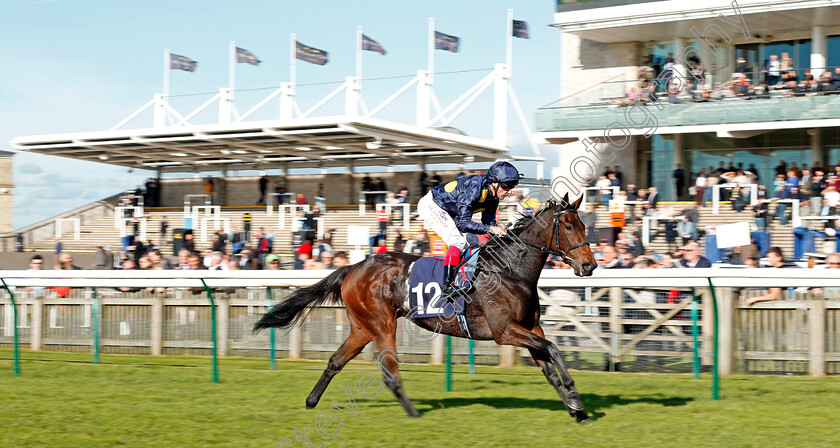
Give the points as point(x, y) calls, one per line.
point(636, 319)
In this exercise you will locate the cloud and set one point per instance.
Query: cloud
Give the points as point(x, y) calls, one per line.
point(29, 168)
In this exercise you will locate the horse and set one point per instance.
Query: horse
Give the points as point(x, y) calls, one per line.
point(374, 292)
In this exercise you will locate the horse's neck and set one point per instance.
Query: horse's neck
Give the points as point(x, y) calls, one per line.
point(519, 259)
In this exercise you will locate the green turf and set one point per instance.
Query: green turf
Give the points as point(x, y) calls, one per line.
point(61, 399)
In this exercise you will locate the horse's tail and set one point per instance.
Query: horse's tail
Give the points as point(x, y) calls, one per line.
point(290, 312)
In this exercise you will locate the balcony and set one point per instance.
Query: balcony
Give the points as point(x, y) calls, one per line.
point(727, 111)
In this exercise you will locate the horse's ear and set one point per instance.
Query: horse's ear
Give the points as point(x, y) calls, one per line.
point(576, 204)
point(566, 200)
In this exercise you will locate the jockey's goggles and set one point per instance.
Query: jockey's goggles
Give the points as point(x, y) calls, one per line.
point(509, 185)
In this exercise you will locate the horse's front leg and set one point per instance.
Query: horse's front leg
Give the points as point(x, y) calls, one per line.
point(548, 357)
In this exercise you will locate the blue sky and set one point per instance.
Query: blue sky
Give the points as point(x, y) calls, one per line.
point(84, 65)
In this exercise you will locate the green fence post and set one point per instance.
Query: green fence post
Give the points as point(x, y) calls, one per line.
point(215, 353)
point(695, 330)
point(449, 363)
point(94, 322)
point(472, 357)
point(14, 328)
point(715, 375)
point(272, 355)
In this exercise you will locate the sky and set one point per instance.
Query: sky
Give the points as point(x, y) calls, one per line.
point(84, 65)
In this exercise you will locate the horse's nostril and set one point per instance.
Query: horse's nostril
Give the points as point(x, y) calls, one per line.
point(587, 267)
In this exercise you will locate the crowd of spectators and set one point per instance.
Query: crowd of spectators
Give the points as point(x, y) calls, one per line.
point(776, 79)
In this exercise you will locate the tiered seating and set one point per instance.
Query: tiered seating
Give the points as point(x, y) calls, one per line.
point(102, 231)
point(781, 236)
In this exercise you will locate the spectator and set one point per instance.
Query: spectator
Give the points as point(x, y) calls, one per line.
point(214, 261)
point(280, 199)
point(272, 262)
point(189, 242)
point(832, 261)
point(234, 263)
point(219, 242)
point(692, 257)
point(435, 180)
point(158, 262)
point(424, 183)
point(679, 181)
point(589, 218)
point(36, 263)
point(327, 260)
point(144, 263)
point(609, 258)
point(399, 242)
point(652, 200)
point(263, 183)
point(340, 260)
point(774, 257)
point(760, 211)
point(604, 189)
point(194, 261)
point(101, 259)
point(381, 248)
point(67, 262)
point(687, 230)
point(313, 265)
point(164, 225)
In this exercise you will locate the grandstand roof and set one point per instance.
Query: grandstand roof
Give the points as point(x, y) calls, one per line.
point(298, 143)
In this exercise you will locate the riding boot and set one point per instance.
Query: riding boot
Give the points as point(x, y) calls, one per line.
point(450, 291)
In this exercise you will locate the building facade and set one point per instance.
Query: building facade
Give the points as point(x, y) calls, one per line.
point(648, 85)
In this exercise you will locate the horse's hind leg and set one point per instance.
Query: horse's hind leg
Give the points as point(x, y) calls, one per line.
point(389, 364)
point(348, 350)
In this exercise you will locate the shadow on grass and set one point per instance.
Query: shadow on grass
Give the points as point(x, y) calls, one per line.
point(595, 404)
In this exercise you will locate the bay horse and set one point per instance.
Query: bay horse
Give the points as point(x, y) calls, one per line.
point(503, 306)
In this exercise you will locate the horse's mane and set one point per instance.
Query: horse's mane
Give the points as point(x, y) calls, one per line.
point(525, 220)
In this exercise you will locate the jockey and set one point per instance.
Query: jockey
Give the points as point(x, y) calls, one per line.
point(448, 210)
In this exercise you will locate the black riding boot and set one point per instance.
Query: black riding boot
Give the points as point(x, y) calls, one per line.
point(449, 288)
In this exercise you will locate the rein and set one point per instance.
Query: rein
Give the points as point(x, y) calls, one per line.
point(555, 236)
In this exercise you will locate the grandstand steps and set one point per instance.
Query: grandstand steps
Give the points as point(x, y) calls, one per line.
point(781, 236)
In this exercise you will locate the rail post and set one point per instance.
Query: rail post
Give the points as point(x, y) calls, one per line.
point(14, 328)
point(695, 330)
point(448, 363)
point(272, 354)
point(715, 373)
point(472, 357)
point(215, 353)
point(94, 322)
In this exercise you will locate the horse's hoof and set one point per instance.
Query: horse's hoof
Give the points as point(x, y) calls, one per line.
point(574, 403)
point(583, 419)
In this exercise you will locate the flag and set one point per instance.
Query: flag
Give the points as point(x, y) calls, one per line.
point(243, 55)
point(178, 62)
point(372, 45)
point(446, 42)
point(520, 29)
point(311, 55)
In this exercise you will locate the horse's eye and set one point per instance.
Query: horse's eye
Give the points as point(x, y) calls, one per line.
point(568, 227)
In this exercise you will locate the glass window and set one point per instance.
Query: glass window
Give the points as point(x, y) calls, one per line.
point(661, 166)
point(833, 59)
point(802, 60)
point(751, 63)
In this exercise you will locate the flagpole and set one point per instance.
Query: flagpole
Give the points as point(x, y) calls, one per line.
point(359, 53)
point(166, 67)
point(232, 66)
point(509, 58)
point(292, 55)
point(431, 45)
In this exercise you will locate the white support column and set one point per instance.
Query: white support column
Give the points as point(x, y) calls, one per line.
point(500, 89)
point(351, 96)
point(679, 47)
point(160, 111)
point(424, 94)
point(818, 51)
point(225, 105)
point(287, 99)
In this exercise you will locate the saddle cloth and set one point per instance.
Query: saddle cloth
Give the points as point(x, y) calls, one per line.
point(425, 286)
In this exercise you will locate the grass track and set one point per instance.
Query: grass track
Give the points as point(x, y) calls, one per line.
point(62, 400)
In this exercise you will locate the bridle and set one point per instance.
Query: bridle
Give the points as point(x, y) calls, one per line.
point(556, 234)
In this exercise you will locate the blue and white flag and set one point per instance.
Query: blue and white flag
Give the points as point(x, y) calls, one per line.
point(372, 45)
point(446, 42)
point(520, 29)
point(310, 54)
point(178, 62)
point(243, 55)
